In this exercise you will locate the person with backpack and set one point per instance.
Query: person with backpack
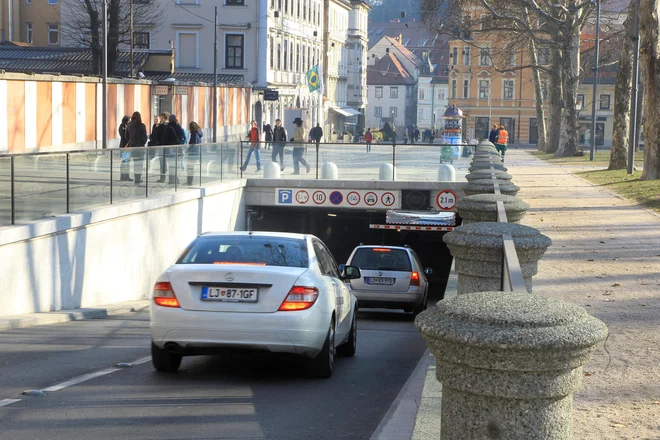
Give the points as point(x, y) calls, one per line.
point(137, 137)
point(369, 138)
point(192, 155)
point(125, 165)
point(253, 137)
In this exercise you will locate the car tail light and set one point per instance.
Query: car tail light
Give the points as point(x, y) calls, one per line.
point(414, 279)
point(164, 295)
point(381, 250)
point(300, 298)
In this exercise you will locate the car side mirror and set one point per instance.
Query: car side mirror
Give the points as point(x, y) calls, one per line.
point(351, 273)
point(428, 271)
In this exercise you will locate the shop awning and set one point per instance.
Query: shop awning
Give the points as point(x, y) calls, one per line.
point(345, 111)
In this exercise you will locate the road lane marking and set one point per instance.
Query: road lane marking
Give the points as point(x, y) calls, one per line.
point(90, 376)
point(8, 401)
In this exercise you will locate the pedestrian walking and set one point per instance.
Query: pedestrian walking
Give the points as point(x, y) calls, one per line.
point(502, 141)
point(137, 137)
point(492, 137)
point(394, 137)
point(432, 136)
point(279, 141)
point(268, 136)
point(369, 138)
point(173, 135)
point(299, 147)
point(125, 164)
point(159, 138)
point(194, 150)
point(317, 135)
point(253, 137)
point(405, 135)
point(417, 134)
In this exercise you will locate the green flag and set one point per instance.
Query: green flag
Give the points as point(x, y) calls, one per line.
point(314, 79)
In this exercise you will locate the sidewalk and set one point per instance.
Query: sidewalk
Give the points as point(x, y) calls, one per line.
point(605, 256)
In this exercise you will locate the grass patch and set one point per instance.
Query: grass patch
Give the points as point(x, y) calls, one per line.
point(644, 192)
point(602, 159)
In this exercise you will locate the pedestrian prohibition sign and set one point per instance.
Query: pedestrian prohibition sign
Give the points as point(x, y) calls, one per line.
point(343, 198)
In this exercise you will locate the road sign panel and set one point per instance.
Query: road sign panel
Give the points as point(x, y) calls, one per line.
point(446, 200)
point(302, 197)
point(387, 199)
point(353, 198)
point(338, 198)
point(319, 197)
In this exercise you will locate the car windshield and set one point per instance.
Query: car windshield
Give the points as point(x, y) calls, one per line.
point(382, 259)
point(250, 250)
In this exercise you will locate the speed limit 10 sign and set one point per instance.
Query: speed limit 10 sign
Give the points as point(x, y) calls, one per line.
point(446, 200)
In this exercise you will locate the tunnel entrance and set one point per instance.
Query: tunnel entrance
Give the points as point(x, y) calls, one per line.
point(343, 230)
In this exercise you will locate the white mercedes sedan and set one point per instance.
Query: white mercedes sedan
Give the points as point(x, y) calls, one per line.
point(256, 291)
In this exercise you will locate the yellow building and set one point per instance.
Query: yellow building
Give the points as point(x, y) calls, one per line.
point(40, 22)
point(487, 95)
point(9, 19)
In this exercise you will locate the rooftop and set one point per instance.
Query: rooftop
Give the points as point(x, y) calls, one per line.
point(389, 71)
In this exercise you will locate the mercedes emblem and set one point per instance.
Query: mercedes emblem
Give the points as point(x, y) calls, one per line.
point(380, 274)
point(229, 276)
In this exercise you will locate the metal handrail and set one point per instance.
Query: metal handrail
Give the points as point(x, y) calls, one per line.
point(512, 277)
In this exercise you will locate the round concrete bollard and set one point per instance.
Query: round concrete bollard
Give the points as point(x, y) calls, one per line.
point(487, 174)
point(486, 186)
point(272, 170)
point(486, 165)
point(329, 171)
point(483, 208)
point(485, 143)
point(486, 156)
point(509, 363)
point(386, 172)
point(446, 173)
point(100, 161)
point(478, 251)
point(213, 168)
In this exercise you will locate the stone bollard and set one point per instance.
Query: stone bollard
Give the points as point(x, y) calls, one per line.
point(486, 174)
point(477, 249)
point(214, 168)
point(509, 364)
point(485, 166)
point(483, 208)
point(486, 186)
point(272, 170)
point(154, 165)
point(486, 156)
point(446, 173)
point(386, 172)
point(102, 161)
point(329, 171)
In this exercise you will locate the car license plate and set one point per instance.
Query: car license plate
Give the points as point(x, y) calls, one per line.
point(229, 294)
point(380, 280)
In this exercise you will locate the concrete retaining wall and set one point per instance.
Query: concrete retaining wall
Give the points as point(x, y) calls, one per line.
point(111, 254)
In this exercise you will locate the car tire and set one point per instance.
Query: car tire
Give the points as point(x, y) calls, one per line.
point(419, 308)
point(164, 360)
point(321, 366)
point(349, 348)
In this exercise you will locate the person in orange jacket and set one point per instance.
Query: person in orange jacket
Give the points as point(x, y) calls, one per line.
point(502, 141)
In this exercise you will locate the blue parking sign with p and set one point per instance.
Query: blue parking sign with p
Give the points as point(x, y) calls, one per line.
point(285, 196)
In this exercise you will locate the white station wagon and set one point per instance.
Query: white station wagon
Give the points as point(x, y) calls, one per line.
point(260, 291)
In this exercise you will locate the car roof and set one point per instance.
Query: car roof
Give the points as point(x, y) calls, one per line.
point(256, 234)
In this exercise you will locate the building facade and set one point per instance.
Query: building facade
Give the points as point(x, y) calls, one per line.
point(358, 32)
point(336, 63)
point(40, 23)
point(391, 94)
point(432, 101)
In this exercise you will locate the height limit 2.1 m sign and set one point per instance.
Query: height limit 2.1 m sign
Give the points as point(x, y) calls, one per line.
point(338, 198)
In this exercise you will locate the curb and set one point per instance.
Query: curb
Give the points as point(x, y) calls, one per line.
point(46, 318)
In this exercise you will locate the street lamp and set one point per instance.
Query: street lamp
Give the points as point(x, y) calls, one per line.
point(104, 92)
point(633, 104)
point(592, 155)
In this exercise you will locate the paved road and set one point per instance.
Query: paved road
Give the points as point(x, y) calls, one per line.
point(40, 189)
point(239, 397)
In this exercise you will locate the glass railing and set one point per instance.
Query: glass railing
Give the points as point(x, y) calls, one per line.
point(35, 186)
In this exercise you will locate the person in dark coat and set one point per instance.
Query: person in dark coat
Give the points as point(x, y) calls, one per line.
point(279, 141)
point(172, 134)
point(125, 165)
point(137, 137)
point(317, 134)
point(196, 135)
point(268, 135)
point(494, 133)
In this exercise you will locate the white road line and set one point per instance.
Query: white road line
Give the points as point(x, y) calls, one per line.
point(143, 360)
point(8, 401)
point(79, 379)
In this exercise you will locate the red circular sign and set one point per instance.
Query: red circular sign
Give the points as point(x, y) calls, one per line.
point(446, 200)
point(353, 198)
point(302, 196)
point(387, 199)
point(370, 198)
point(318, 197)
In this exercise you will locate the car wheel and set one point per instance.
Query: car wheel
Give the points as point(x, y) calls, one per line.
point(350, 347)
point(321, 365)
point(164, 360)
point(420, 307)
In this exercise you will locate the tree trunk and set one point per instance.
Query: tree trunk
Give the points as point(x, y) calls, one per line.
point(113, 35)
point(555, 100)
point(622, 95)
point(649, 66)
point(538, 91)
point(95, 24)
point(568, 140)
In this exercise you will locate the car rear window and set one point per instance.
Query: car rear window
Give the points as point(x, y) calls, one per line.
point(382, 259)
point(255, 250)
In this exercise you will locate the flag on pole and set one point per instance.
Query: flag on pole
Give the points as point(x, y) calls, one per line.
point(314, 81)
